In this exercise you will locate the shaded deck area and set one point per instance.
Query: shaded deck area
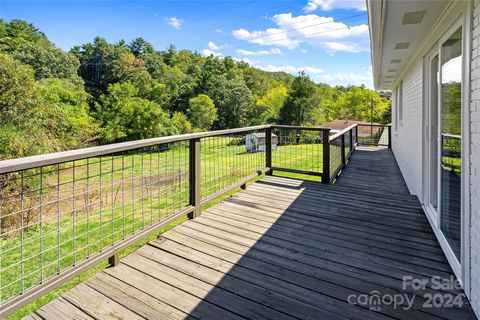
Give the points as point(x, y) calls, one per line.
point(282, 249)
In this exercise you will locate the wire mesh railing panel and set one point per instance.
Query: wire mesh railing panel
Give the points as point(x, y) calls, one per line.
point(53, 217)
point(335, 155)
point(348, 142)
point(297, 149)
point(228, 159)
point(376, 135)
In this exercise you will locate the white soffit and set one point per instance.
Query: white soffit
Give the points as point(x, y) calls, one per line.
point(405, 25)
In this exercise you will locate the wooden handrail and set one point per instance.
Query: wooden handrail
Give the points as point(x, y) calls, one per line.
point(7, 166)
point(340, 133)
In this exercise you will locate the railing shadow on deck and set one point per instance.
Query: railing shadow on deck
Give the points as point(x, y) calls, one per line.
point(296, 249)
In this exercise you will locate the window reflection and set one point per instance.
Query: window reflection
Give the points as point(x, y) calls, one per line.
point(451, 94)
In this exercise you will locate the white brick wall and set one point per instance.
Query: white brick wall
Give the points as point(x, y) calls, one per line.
point(475, 162)
point(407, 144)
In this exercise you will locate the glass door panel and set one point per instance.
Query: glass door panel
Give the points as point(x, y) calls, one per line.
point(451, 140)
point(433, 141)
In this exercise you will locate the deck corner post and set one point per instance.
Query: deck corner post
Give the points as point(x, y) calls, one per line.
point(113, 260)
point(195, 177)
point(342, 150)
point(268, 151)
point(389, 128)
point(356, 135)
point(352, 147)
point(326, 155)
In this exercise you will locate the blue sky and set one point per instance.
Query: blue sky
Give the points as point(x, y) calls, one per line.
point(326, 38)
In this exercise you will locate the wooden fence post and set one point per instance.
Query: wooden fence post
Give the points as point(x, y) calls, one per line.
point(114, 260)
point(326, 155)
point(268, 150)
point(195, 177)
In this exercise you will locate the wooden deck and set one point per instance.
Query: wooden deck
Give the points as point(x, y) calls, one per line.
point(281, 249)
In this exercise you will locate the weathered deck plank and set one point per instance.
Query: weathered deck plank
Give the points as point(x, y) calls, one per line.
point(281, 249)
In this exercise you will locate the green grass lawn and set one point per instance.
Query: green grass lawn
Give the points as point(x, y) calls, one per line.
point(137, 190)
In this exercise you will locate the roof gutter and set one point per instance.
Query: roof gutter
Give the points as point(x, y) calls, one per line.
point(376, 22)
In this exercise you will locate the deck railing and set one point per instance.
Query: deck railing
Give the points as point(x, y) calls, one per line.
point(62, 213)
point(374, 135)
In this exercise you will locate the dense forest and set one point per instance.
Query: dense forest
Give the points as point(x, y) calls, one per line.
point(101, 92)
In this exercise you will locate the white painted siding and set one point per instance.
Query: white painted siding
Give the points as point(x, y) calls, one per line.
point(475, 163)
point(407, 142)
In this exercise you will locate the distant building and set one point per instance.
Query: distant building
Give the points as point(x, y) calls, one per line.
point(255, 142)
point(364, 128)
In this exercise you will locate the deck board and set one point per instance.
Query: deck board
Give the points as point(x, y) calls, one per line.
point(281, 249)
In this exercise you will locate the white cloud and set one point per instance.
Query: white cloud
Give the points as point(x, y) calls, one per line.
point(303, 50)
point(247, 60)
point(260, 52)
point(321, 32)
point(326, 5)
point(345, 78)
point(271, 36)
point(218, 30)
point(320, 75)
point(212, 46)
point(291, 69)
point(174, 22)
point(208, 52)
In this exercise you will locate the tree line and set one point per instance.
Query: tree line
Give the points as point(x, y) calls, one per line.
point(101, 92)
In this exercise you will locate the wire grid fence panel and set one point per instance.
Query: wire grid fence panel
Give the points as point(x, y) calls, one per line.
point(373, 135)
point(353, 132)
point(348, 145)
point(297, 149)
point(228, 159)
point(335, 155)
point(55, 216)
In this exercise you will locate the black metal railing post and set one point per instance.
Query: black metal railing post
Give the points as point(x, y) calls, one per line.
point(268, 151)
point(342, 150)
point(195, 177)
point(356, 135)
point(352, 147)
point(326, 155)
point(389, 127)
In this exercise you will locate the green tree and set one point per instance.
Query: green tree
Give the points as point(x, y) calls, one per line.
point(179, 121)
point(233, 100)
point(32, 47)
point(139, 46)
point(302, 104)
point(268, 106)
point(202, 112)
point(125, 116)
point(40, 117)
point(356, 104)
point(66, 113)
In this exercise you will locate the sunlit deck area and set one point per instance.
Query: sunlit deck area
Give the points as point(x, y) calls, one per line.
point(282, 248)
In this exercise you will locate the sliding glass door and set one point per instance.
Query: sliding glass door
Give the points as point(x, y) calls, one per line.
point(451, 140)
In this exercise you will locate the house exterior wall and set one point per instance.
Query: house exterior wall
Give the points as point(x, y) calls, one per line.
point(407, 141)
point(407, 145)
point(475, 161)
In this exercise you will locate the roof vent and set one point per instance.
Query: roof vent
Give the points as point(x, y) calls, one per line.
point(392, 70)
point(402, 45)
point(395, 60)
point(389, 77)
point(413, 17)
